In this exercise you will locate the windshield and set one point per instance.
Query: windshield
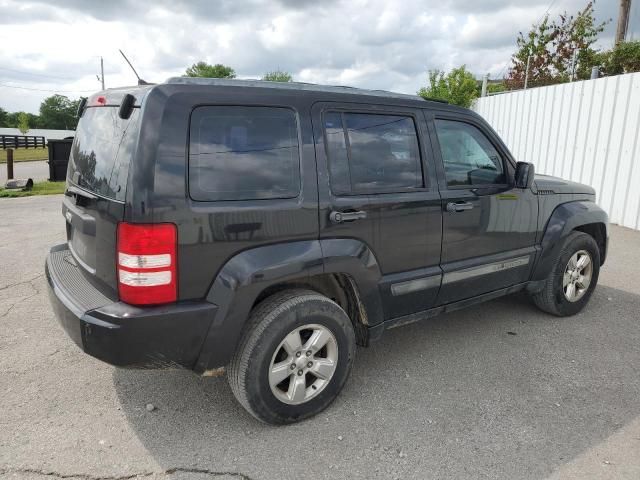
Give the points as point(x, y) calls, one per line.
point(102, 150)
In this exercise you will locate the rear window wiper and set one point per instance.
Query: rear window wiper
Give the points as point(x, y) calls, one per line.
point(79, 192)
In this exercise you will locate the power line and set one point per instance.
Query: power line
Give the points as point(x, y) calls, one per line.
point(45, 90)
point(37, 74)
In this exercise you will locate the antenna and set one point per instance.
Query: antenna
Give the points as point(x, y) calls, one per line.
point(140, 81)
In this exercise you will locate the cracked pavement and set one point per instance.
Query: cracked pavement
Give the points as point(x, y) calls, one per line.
point(453, 397)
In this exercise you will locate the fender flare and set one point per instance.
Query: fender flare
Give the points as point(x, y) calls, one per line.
point(244, 276)
point(563, 220)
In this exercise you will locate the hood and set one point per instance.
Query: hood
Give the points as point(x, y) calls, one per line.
point(549, 185)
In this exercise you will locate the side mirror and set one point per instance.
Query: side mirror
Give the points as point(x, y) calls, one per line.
point(524, 174)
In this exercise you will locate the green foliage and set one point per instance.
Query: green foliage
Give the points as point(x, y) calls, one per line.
point(25, 154)
point(203, 69)
point(496, 87)
point(457, 87)
point(278, 76)
point(23, 122)
point(551, 46)
point(624, 58)
point(58, 112)
point(39, 188)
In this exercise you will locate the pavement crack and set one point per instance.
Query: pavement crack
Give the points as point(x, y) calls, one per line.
point(84, 476)
point(205, 471)
point(24, 299)
point(24, 282)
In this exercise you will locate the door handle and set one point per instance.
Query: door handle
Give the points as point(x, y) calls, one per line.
point(339, 217)
point(459, 206)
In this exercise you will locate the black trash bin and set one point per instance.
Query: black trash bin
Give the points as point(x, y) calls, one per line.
point(59, 151)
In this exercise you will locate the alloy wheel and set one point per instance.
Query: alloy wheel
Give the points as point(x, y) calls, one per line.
point(577, 275)
point(303, 364)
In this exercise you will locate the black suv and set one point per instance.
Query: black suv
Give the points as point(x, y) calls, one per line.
point(269, 228)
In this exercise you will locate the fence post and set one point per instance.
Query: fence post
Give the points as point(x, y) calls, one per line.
point(10, 164)
point(485, 80)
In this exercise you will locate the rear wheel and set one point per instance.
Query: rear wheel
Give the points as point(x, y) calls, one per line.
point(569, 286)
point(294, 357)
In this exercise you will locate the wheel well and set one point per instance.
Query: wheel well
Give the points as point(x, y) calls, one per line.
point(340, 288)
point(599, 233)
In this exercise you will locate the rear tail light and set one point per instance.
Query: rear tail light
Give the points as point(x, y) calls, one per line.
point(147, 263)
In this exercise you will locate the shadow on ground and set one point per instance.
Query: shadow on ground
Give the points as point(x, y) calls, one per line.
point(495, 391)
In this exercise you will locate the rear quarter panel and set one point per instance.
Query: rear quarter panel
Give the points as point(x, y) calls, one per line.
point(210, 233)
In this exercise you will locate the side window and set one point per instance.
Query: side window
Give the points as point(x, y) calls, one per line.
point(370, 153)
point(243, 153)
point(469, 157)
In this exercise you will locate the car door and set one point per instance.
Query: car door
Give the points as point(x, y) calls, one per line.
point(377, 184)
point(488, 225)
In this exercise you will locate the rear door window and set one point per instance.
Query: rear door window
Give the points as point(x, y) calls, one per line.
point(372, 153)
point(243, 153)
point(102, 149)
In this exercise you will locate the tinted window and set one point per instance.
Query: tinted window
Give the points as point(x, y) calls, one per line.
point(243, 153)
point(101, 151)
point(371, 153)
point(469, 157)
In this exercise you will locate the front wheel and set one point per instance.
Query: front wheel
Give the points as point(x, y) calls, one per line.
point(294, 357)
point(571, 283)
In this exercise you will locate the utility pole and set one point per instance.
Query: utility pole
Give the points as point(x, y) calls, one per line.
point(623, 21)
point(101, 76)
point(485, 80)
point(102, 72)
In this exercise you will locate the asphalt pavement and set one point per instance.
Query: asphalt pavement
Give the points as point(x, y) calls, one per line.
point(498, 391)
point(37, 170)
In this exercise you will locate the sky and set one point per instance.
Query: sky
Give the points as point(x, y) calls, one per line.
point(55, 47)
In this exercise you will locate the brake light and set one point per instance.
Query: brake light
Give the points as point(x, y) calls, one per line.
point(97, 101)
point(147, 263)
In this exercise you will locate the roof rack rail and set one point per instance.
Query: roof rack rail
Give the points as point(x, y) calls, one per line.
point(439, 100)
point(288, 86)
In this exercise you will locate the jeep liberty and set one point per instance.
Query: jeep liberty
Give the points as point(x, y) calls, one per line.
point(269, 228)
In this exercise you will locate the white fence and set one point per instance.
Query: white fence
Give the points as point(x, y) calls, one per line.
point(583, 131)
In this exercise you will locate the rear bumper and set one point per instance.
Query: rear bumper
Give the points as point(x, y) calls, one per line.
point(166, 336)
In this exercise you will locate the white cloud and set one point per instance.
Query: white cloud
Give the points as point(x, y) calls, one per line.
point(364, 43)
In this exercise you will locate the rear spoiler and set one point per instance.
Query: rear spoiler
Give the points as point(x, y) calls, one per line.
point(126, 98)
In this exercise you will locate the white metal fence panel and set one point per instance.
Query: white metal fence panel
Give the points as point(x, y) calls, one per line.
point(583, 131)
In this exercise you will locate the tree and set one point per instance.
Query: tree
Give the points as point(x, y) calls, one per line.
point(23, 122)
point(203, 69)
point(58, 112)
point(278, 76)
point(624, 58)
point(458, 87)
point(4, 118)
point(550, 46)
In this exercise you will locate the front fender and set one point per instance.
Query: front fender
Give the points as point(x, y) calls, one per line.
point(564, 220)
point(247, 274)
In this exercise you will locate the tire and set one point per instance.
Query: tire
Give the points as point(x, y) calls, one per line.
point(554, 296)
point(312, 319)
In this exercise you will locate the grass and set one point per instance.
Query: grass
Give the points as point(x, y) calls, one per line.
point(39, 188)
point(26, 155)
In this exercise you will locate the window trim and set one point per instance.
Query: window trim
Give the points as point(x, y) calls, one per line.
point(374, 191)
point(296, 117)
point(506, 161)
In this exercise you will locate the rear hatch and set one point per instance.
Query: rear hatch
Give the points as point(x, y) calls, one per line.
point(104, 145)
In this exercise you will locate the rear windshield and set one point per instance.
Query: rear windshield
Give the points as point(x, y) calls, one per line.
point(102, 150)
